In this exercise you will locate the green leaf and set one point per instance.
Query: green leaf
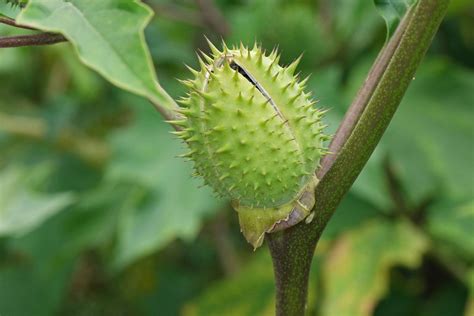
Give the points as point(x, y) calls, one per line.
point(393, 11)
point(165, 202)
point(453, 225)
point(41, 262)
point(350, 15)
point(20, 285)
point(108, 36)
point(429, 141)
point(430, 138)
point(22, 209)
point(357, 268)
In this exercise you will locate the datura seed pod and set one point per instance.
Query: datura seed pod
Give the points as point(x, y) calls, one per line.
point(254, 136)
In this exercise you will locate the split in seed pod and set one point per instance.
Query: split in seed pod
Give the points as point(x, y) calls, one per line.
point(255, 137)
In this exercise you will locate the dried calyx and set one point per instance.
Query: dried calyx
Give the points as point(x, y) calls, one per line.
point(254, 136)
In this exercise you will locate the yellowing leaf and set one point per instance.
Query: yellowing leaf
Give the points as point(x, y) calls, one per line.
point(356, 270)
point(249, 293)
point(252, 291)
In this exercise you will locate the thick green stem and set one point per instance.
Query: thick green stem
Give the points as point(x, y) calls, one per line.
point(291, 264)
point(292, 249)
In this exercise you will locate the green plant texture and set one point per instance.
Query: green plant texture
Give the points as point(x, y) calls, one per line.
point(99, 215)
point(254, 136)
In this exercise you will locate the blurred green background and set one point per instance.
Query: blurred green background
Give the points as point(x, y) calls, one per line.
point(99, 217)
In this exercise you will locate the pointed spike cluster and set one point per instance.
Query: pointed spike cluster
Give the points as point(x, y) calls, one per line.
point(182, 123)
point(242, 49)
point(292, 67)
point(249, 55)
point(202, 64)
point(225, 49)
point(275, 76)
point(274, 53)
point(304, 81)
point(208, 58)
point(192, 70)
point(188, 83)
point(214, 50)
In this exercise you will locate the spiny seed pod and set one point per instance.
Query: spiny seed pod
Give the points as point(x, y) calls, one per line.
point(255, 137)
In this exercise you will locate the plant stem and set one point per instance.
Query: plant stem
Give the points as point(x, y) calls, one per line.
point(11, 22)
point(292, 249)
point(31, 40)
point(363, 96)
point(291, 265)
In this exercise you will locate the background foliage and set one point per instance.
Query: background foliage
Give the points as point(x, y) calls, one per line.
point(98, 216)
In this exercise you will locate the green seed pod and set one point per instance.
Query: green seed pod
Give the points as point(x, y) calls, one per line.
point(255, 137)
